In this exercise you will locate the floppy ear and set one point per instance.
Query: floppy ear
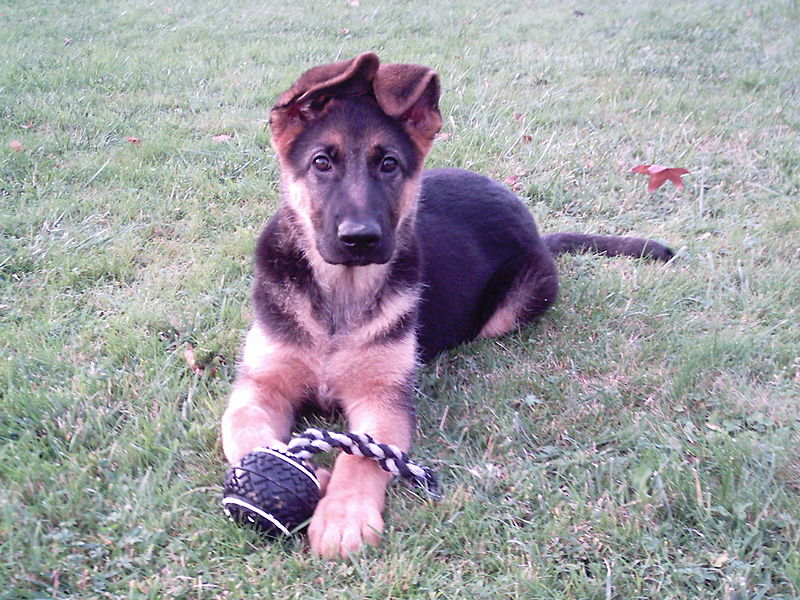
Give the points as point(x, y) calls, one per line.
point(309, 95)
point(410, 93)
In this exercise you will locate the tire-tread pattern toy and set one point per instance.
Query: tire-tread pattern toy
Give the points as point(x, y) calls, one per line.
point(276, 492)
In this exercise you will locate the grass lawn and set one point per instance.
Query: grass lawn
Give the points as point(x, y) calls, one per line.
point(641, 441)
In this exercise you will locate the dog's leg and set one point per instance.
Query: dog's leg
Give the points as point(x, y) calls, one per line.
point(376, 397)
point(349, 515)
point(256, 416)
point(267, 391)
point(519, 293)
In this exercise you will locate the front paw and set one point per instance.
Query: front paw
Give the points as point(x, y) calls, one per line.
point(342, 524)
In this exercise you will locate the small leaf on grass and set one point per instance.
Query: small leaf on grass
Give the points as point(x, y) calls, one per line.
point(513, 181)
point(194, 364)
point(720, 560)
point(222, 137)
point(133, 140)
point(191, 360)
point(68, 41)
point(16, 146)
point(660, 174)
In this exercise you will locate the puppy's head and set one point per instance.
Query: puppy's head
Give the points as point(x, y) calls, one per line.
point(351, 138)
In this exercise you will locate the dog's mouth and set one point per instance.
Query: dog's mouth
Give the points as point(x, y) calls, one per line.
point(356, 261)
point(336, 252)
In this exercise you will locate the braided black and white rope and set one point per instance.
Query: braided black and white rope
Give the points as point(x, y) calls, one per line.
point(391, 458)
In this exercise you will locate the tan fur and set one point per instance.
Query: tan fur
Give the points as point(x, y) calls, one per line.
point(504, 320)
point(507, 316)
point(261, 407)
point(512, 310)
point(297, 198)
point(391, 309)
point(409, 200)
point(275, 376)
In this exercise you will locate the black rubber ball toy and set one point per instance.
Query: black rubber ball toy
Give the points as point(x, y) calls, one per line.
point(270, 491)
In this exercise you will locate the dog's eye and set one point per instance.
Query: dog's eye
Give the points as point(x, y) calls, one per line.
point(389, 164)
point(322, 163)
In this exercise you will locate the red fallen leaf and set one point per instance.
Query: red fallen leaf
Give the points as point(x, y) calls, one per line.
point(518, 116)
point(16, 145)
point(660, 174)
point(222, 137)
point(512, 181)
point(195, 367)
point(133, 140)
point(527, 138)
point(191, 360)
point(68, 41)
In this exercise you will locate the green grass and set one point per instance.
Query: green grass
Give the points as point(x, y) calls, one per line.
point(642, 441)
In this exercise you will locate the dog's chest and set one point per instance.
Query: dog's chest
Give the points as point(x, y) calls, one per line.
point(340, 303)
point(330, 331)
point(332, 356)
point(332, 328)
point(343, 342)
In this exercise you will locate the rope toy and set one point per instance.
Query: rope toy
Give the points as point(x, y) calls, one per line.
point(276, 492)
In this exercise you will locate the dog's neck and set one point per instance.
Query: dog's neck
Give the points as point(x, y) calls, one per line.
point(348, 285)
point(348, 294)
point(352, 293)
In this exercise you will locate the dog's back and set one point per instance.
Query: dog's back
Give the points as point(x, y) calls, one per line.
point(475, 236)
point(481, 251)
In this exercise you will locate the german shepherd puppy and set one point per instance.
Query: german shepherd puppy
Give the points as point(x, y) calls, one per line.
point(372, 265)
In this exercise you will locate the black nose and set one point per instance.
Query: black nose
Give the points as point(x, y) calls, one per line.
point(359, 235)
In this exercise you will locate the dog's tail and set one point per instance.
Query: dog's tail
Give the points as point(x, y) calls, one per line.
point(573, 243)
